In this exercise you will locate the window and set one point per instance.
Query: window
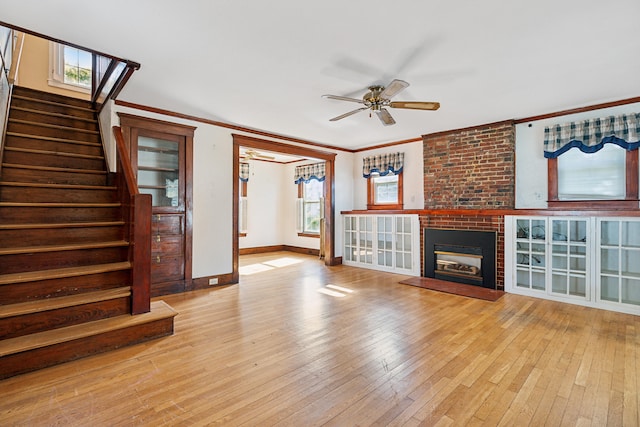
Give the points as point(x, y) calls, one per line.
point(385, 192)
point(70, 67)
point(242, 211)
point(310, 195)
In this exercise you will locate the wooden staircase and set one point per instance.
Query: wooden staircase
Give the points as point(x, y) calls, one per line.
point(65, 274)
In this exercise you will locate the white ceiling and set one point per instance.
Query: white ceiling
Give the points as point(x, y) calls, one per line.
point(265, 64)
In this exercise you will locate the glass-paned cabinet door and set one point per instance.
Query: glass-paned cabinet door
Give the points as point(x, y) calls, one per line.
point(619, 261)
point(569, 260)
point(365, 240)
point(531, 255)
point(404, 247)
point(385, 240)
point(350, 238)
point(159, 170)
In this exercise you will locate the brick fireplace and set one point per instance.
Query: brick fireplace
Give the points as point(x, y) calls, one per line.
point(469, 177)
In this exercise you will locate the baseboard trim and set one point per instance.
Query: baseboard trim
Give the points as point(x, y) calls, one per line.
point(276, 248)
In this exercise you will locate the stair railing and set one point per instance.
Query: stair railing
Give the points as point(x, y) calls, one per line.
point(11, 43)
point(137, 217)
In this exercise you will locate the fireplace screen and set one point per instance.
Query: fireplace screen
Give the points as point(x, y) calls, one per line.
point(459, 264)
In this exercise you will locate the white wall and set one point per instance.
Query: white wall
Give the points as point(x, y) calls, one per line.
point(531, 165)
point(413, 175)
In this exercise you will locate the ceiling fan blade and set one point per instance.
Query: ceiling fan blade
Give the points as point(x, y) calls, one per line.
point(415, 105)
point(343, 98)
point(394, 88)
point(385, 117)
point(342, 116)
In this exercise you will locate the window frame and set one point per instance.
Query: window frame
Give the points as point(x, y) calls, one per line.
point(371, 191)
point(631, 188)
point(305, 233)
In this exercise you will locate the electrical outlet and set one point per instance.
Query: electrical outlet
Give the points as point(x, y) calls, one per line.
point(213, 281)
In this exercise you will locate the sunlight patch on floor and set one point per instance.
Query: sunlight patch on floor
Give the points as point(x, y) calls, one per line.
point(335, 291)
point(283, 262)
point(253, 269)
point(268, 265)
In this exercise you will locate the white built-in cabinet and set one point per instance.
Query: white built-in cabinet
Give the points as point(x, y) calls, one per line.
point(383, 242)
point(591, 261)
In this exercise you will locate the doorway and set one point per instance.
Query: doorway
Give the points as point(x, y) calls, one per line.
point(265, 145)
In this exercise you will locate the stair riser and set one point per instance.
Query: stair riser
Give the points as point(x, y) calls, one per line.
point(48, 356)
point(26, 215)
point(43, 144)
point(53, 319)
point(45, 96)
point(52, 160)
point(61, 109)
point(52, 177)
point(41, 289)
point(53, 236)
point(32, 129)
point(50, 260)
point(53, 120)
point(60, 195)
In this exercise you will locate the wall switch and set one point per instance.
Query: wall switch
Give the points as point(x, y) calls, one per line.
point(213, 281)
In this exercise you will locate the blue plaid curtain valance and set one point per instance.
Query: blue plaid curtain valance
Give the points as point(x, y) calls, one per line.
point(306, 173)
point(590, 135)
point(383, 164)
point(244, 172)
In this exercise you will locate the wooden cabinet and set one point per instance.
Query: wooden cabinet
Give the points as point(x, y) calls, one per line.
point(162, 158)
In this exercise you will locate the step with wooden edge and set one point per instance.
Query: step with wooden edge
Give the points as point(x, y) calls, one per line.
point(50, 193)
point(22, 140)
point(12, 235)
point(36, 351)
point(17, 213)
point(55, 131)
point(53, 118)
point(18, 100)
point(43, 284)
point(79, 102)
point(52, 158)
point(52, 313)
point(20, 259)
point(52, 175)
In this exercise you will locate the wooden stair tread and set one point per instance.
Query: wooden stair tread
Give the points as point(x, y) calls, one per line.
point(57, 248)
point(57, 205)
point(54, 169)
point(51, 114)
point(53, 139)
point(44, 101)
point(58, 273)
point(159, 310)
point(48, 304)
point(53, 153)
point(51, 126)
point(61, 225)
point(58, 186)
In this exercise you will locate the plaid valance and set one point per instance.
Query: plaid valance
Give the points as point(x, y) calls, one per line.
point(306, 173)
point(244, 172)
point(590, 135)
point(383, 164)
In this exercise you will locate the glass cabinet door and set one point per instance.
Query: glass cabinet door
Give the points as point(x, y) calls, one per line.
point(159, 171)
point(531, 253)
point(365, 240)
point(404, 248)
point(619, 271)
point(385, 241)
point(350, 238)
point(569, 261)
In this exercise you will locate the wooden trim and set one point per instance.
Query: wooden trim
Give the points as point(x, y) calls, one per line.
point(203, 282)
point(279, 147)
point(371, 205)
point(578, 110)
point(133, 121)
point(500, 212)
point(278, 248)
point(299, 250)
point(235, 211)
point(477, 127)
point(317, 236)
point(388, 144)
point(552, 180)
point(592, 204)
point(632, 175)
point(225, 125)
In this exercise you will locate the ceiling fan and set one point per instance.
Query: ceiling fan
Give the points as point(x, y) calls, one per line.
point(253, 154)
point(379, 97)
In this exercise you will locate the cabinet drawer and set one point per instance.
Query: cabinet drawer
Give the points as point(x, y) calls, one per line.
point(165, 268)
point(164, 245)
point(167, 224)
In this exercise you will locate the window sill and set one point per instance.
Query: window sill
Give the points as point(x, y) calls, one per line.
point(388, 207)
point(58, 84)
point(316, 235)
point(242, 234)
point(592, 204)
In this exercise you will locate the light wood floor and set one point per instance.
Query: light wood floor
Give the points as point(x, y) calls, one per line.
point(288, 346)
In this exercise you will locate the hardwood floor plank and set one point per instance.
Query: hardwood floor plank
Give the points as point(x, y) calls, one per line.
point(282, 348)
